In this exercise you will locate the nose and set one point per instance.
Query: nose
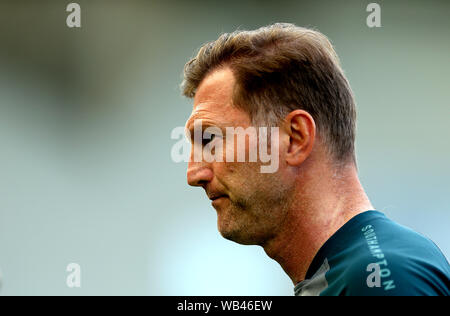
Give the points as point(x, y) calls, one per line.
point(199, 173)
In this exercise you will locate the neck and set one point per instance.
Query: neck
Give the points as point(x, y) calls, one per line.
point(326, 204)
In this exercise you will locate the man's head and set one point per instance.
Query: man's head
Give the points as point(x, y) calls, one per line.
point(284, 76)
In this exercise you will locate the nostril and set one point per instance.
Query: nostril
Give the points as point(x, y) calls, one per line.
point(198, 176)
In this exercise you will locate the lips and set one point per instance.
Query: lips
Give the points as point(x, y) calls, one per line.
point(217, 200)
point(214, 197)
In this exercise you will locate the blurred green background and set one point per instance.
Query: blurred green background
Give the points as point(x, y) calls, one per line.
point(85, 122)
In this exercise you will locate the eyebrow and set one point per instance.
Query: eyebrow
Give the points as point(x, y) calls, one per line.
point(190, 121)
point(205, 122)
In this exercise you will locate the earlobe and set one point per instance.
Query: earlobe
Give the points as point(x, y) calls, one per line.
point(301, 130)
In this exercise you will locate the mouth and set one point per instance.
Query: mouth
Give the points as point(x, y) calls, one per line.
point(217, 197)
point(218, 201)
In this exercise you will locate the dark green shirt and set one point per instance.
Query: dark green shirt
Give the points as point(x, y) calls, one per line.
point(373, 255)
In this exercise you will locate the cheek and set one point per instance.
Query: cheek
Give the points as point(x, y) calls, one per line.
point(230, 152)
point(240, 149)
point(224, 173)
point(243, 177)
point(225, 170)
point(235, 176)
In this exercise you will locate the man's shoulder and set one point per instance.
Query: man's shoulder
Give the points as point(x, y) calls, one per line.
point(375, 233)
point(394, 273)
point(391, 259)
point(385, 237)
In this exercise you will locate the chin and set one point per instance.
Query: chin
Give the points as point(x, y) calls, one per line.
point(237, 235)
point(234, 225)
point(238, 239)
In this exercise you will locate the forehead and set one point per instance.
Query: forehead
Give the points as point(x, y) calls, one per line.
point(213, 101)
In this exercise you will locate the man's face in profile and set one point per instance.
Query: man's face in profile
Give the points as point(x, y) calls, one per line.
point(245, 199)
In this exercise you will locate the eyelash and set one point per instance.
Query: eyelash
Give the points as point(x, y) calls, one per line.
point(207, 140)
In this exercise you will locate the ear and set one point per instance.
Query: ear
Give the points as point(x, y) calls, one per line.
point(301, 130)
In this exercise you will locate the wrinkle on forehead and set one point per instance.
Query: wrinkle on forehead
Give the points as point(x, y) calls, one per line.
point(217, 86)
point(213, 101)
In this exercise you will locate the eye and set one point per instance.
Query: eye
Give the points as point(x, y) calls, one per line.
point(207, 138)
